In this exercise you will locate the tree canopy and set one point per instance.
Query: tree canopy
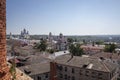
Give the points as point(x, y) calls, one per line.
point(70, 40)
point(110, 48)
point(75, 50)
point(51, 51)
point(42, 45)
point(99, 42)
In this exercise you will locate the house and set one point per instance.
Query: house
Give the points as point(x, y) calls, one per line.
point(39, 71)
point(90, 49)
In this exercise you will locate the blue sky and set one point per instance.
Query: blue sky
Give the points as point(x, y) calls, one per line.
point(70, 17)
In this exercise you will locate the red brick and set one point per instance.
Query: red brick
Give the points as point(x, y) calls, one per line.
point(3, 63)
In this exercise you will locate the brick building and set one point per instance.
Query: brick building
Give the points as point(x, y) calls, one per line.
point(4, 71)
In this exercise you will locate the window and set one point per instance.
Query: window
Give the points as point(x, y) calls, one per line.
point(38, 78)
point(93, 75)
point(65, 68)
point(57, 66)
point(80, 72)
point(93, 72)
point(68, 77)
point(113, 61)
point(73, 78)
point(73, 70)
point(61, 76)
point(65, 76)
point(87, 73)
point(111, 75)
point(99, 74)
point(99, 77)
point(46, 76)
point(61, 68)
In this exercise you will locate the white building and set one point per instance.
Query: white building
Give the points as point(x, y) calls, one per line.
point(24, 34)
point(61, 43)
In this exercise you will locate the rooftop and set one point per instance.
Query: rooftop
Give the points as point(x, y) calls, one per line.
point(107, 55)
point(91, 63)
point(60, 53)
point(34, 69)
point(96, 47)
point(34, 59)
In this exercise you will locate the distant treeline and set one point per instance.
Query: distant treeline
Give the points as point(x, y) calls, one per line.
point(105, 38)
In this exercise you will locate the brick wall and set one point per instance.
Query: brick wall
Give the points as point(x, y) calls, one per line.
point(53, 75)
point(4, 71)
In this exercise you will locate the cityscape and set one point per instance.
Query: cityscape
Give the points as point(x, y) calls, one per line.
point(59, 40)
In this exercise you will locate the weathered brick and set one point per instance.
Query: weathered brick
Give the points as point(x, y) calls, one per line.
point(3, 64)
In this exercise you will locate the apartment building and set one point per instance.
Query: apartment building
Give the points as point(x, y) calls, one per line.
point(111, 57)
point(82, 68)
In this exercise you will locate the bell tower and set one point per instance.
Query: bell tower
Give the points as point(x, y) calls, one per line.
point(4, 70)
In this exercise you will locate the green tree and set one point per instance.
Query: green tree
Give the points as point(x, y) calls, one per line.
point(13, 65)
point(110, 48)
point(70, 40)
point(72, 49)
point(75, 50)
point(13, 71)
point(99, 42)
point(51, 51)
point(84, 41)
point(93, 43)
point(42, 45)
point(75, 40)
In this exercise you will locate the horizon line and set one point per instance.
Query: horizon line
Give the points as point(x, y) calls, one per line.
point(76, 34)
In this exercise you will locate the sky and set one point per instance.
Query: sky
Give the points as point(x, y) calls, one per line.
point(70, 17)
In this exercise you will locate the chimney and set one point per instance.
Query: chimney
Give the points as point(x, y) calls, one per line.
point(4, 70)
point(53, 75)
